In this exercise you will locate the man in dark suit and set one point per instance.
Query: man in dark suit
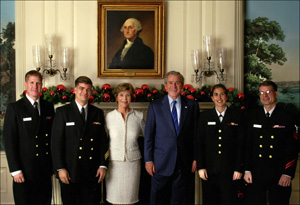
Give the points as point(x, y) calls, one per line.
point(271, 154)
point(79, 143)
point(134, 54)
point(170, 135)
point(27, 131)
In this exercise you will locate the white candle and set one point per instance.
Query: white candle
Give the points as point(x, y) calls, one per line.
point(207, 41)
point(221, 63)
point(50, 49)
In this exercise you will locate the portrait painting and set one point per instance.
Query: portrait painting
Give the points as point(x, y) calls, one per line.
point(130, 39)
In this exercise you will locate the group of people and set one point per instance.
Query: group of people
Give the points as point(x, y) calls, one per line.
point(80, 145)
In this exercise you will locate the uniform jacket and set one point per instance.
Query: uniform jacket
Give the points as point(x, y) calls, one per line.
point(220, 145)
point(271, 146)
point(162, 145)
point(79, 147)
point(124, 135)
point(139, 56)
point(27, 138)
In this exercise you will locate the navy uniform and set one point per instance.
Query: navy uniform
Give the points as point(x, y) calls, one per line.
point(79, 147)
point(220, 151)
point(271, 152)
point(27, 145)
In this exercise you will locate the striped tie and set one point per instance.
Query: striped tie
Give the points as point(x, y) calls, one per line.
point(174, 116)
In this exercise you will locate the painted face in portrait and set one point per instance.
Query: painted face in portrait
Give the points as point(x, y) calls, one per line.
point(124, 99)
point(82, 93)
point(33, 86)
point(219, 98)
point(129, 30)
point(268, 96)
point(173, 86)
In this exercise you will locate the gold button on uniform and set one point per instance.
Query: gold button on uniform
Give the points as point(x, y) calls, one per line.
point(80, 148)
point(220, 138)
point(79, 157)
point(37, 145)
point(260, 155)
point(219, 152)
point(260, 146)
point(92, 139)
point(36, 137)
point(270, 156)
point(47, 153)
point(272, 137)
point(91, 158)
point(260, 137)
point(37, 154)
point(80, 139)
point(92, 148)
point(47, 144)
point(271, 146)
point(46, 135)
point(220, 131)
point(220, 145)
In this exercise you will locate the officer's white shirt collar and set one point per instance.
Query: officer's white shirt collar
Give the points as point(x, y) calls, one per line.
point(271, 111)
point(80, 107)
point(222, 113)
point(32, 102)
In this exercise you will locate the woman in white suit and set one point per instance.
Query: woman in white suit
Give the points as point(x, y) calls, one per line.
point(124, 126)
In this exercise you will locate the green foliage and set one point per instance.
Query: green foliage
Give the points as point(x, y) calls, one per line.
point(260, 53)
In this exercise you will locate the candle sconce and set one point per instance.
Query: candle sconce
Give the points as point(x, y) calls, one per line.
point(50, 65)
point(208, 65)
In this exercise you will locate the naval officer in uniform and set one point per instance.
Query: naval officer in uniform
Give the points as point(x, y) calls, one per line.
point(271, 150)
point(27, 131)
point(79, 145)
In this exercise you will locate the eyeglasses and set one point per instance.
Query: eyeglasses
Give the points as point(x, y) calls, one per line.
point(267, 92)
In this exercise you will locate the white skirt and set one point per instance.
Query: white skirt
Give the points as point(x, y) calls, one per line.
point(123, 182)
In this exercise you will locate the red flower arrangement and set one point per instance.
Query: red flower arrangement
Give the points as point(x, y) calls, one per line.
point(59, 94)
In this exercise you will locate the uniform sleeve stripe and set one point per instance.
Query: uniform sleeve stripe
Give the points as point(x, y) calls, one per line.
point(290, 164)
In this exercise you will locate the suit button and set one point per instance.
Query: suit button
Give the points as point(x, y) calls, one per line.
point(91, 157)
point(260, 155)
point(37, 145)
point(219, 152)
point(36, 137)
point(272, 137)
point(79, 157)
point(271, 146)
point(92, 139)
point(260, 146)
point(37, 154)
point(80, 148)
point(46, 135)
point(270, 156)
point(220, 131)
point(92, 148)
point(261, 137)
point(220, 138)
point(220, 145)
point(47, 153)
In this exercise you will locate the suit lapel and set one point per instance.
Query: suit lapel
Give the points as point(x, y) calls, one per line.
point(165, 108)
point(184, 111)
point(90, 116)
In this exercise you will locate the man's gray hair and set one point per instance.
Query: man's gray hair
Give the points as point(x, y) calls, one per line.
point(137, 25)
point(173, 73)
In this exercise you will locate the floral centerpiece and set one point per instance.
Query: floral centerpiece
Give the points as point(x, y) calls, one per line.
point(60, 94)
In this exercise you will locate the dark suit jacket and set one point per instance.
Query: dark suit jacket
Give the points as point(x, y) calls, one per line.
point(162, 145)
point(271, 146)
point(139, 56)
point(27, 138)
point(79, 147)
point(220, 146)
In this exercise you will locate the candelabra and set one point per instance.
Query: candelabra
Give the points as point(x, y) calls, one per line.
point(50, 66)
point(208, 65)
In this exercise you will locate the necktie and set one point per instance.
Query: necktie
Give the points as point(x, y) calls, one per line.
point(174, 116)
point(83, 114)
point(268, 114)
point(35, 105)
point(221, 118)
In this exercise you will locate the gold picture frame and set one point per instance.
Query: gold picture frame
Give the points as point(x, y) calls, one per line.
point(111, 41)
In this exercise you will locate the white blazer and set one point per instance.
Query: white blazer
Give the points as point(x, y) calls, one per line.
point(124, 135)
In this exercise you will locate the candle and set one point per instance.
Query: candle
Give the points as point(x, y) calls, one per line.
point(50, 49)
point(221, 62)
point(207, 42)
